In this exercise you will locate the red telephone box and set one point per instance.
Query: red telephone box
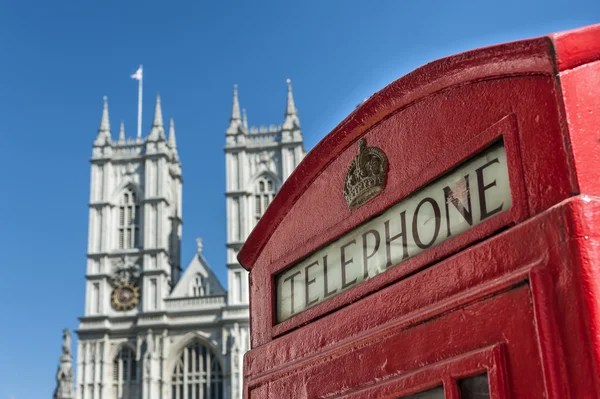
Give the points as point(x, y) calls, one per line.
point(442, 241)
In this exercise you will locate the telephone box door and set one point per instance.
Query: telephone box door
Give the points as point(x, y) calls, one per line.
point(486, 349)
point(467, 348)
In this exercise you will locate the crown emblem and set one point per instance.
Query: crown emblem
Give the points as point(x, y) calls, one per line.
point(366, 175)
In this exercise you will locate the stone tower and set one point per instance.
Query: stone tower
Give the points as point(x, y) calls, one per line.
point(258, 160)
point(133, 258)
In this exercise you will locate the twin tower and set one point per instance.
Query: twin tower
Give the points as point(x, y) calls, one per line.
point(151, 331)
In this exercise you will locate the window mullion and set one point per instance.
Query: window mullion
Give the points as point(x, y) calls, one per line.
point(120, 375)
point(185, 372)
point(197, 374)
point(208, 373)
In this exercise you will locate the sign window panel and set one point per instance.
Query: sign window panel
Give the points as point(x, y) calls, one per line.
point(468, 195)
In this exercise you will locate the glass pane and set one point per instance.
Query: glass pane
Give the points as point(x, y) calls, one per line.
point(116, 370)
point(125, 371)
point(257, 202)
point(435, 393)
point(476, 387)
point(133, 370)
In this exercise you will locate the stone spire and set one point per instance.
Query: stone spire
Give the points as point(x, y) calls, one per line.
point(235, 122)
point(122, 133)
point(158, 129)
point(291, 120)
point(64, 376)
point(104, 130)
point(158, 120)
point(291, 107)
point(235, 111)
point(172, 142)
point(244, 119)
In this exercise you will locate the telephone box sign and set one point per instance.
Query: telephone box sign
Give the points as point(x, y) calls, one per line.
point(463, 198)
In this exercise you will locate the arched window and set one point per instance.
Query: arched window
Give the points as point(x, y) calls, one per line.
point(199, 286)
point(125, 374)
point(129, 227)
point(197, 374)
point(263, 196)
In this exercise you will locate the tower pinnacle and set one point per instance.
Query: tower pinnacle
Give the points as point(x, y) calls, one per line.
point(235, 122)
point(291, 106)
point(158, 128)
point(103, 136)
point(122, 133)
point(105, 123)
point(64, 376)
point(244, 119)
point(235, 111)
point(291, 120)
point(158, 120)
point(172, 142)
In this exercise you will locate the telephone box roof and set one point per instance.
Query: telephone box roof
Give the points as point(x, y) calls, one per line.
point(547, 55)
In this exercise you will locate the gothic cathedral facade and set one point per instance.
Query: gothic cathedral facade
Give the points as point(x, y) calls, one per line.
point(151, 331)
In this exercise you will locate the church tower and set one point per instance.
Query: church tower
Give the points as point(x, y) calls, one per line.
point(258, 160)
point(133, 258)
point(151, 331)
point(134, 220)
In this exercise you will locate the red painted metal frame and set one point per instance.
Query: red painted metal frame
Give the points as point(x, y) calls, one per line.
point(540, 96)
point(554, 254)
point(490, 360)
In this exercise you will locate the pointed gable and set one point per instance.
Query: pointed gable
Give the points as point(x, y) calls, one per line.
point(198, 280)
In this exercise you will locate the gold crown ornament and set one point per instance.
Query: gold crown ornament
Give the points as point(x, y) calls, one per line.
point(366, 176)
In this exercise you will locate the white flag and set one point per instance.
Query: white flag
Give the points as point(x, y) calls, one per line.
point(138, 74)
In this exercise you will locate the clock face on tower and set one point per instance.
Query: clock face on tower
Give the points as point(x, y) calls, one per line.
point(125, 297)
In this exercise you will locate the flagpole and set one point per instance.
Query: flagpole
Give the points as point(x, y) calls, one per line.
point(139, 124)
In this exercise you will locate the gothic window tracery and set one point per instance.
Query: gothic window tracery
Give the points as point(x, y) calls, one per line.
point(129, 228)
point(197, 374)
point(125, 374)
point(264, 193)
point(199, 286)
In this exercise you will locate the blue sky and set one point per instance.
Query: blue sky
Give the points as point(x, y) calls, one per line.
point(60, 57)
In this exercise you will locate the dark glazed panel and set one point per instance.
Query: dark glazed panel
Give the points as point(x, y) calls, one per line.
point(476, 387)
point(434, 393)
